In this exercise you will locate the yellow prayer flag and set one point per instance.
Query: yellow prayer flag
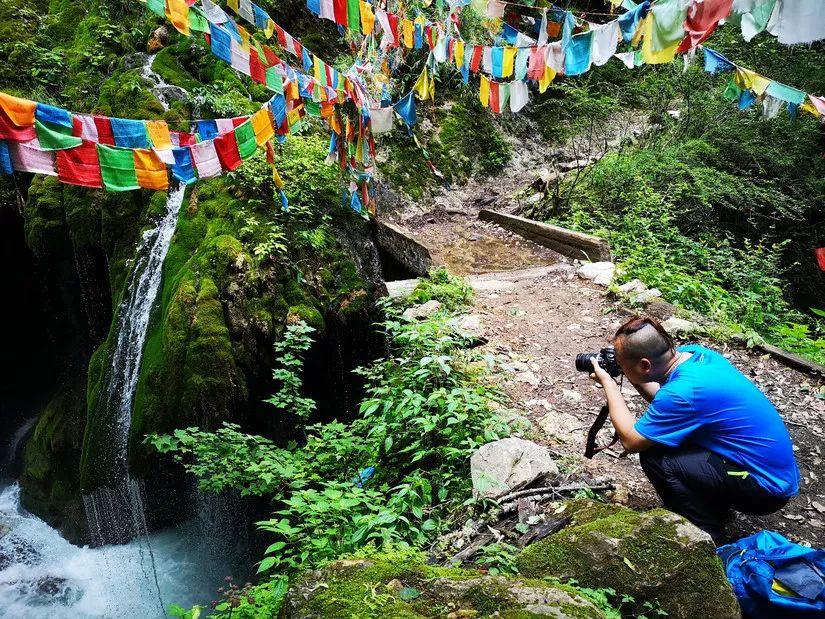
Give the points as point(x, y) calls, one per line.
point(425, 86)
point(234, 5)
point(270, 28)
point(407, 33)
point(750, 80)
point(276, 178)
point(245, 38)
point(484, 92)
point(150, 171)
point(508, 62)
point(263, 126)
point(367, 17)
point(649, 55)
point(458, 54)
point(547, 78)
point(19, 111)
point(158, 132)
point(177, 11)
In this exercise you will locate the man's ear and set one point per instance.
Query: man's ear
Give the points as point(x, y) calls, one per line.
point(645, 366)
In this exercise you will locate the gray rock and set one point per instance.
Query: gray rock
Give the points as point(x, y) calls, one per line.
point(563, 426)
point(656, 557)
point(601, 273)
point(634, 285)
point(646, 296)
point(509, 464)
point(422, 311)
point(674, 325)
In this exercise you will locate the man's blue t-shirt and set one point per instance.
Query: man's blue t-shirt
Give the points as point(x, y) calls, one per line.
point(709, 403)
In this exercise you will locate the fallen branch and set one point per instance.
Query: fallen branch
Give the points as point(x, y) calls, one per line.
point(551, 489)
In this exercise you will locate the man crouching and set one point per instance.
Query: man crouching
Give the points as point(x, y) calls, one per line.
point(710, 441)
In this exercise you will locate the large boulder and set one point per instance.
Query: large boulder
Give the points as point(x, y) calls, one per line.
point(509, 464)
point(403, 586)
point(656, 557)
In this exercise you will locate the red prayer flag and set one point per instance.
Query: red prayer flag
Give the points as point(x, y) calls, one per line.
point(257, 71)
point(271, 58)
point(494, 102)
point(227, 149)
point(339, 8)
point(475, 61)
point(819, 252)
point(280, 36)
point(183, 138)
point(701, 20)
point(393, 19)
point(104, 131)
point(10, 131)
point(237, 121)
point(80, 166)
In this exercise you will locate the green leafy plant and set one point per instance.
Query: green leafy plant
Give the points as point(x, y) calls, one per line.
point(290, 351)
point(498, 558)
point(454, 293)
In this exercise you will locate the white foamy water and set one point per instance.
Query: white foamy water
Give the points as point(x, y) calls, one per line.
point(44, 576)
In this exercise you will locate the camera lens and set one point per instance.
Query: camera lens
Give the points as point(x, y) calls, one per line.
point(583, 361)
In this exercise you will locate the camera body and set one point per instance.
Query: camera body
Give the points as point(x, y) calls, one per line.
point(607, 360)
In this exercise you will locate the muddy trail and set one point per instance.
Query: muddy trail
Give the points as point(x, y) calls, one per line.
point(536, 313)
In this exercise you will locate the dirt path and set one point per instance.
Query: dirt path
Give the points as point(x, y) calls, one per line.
point(536, 320)
point(536, 324)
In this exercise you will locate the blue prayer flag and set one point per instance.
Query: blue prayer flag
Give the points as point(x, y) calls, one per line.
point(221, 42)
point(314, 6)
point(261, 16)
point(406, 109)
point(746, 99)
point(207, 129)
point(54, 115)
point(629, 22)
point(183, 170)
point(577, 56)
point(129, 133)
point(716, 62)
point(498, 61)
point(6, 166)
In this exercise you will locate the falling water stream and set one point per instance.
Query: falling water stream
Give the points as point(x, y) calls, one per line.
point(129, 573)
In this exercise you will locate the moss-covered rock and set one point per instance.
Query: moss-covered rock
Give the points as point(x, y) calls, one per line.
point(655, 556)
point(402, 585)
point(49, 483)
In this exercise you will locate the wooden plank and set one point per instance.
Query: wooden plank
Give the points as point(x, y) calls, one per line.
point(791, 360)
point(567, 242)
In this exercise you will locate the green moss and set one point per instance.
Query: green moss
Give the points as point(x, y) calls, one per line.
point(49, 483)
point(371, 587)
point(167, 66)
point(640, 554)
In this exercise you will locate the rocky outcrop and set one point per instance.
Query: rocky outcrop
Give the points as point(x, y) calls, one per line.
point(402, 585)
point(655, 557)
point(509, 464)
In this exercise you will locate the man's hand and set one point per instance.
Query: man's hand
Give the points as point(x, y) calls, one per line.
point(620, 416)
point(599, 374)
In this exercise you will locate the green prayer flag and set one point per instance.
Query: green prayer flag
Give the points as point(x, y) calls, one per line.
point(274, 81)
point(117, 166)
point(732, 92)
point(197, 20)
point(157, 6)
point(55, 137)
point(245, 137)
point(354, 16)
point(313, 108)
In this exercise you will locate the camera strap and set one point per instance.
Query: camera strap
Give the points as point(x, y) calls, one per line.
point(590, 448)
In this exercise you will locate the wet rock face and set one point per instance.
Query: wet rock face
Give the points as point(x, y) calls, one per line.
point(404, 586)
point(656, 557)
point(158, 40)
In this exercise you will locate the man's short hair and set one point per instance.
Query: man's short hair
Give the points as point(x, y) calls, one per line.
point(643, 337)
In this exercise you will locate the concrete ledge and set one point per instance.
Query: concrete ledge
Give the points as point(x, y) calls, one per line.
point(566, 242)
point(403, 248)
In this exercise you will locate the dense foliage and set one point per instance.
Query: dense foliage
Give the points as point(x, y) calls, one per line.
point(719, 209)
point(391, 477)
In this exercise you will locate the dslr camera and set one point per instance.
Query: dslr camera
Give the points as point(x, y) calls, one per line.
point(607, 360)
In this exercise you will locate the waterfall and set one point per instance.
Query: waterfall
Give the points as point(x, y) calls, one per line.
point(165, 93)
point(115, 513)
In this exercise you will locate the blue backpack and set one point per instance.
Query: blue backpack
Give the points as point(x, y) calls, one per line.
point(774, 578)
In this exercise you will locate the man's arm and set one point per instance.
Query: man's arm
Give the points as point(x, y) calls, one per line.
point(620, 416)
point(647, 390)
